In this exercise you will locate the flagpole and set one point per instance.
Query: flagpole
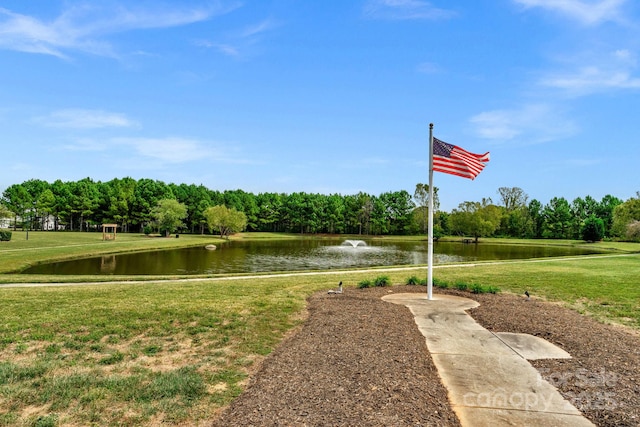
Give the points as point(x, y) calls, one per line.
point(430, 231)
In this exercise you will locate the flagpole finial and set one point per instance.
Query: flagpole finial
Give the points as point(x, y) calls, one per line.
point(430, 125)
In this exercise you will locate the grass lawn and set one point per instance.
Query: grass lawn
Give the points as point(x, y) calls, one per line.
point(176, 351)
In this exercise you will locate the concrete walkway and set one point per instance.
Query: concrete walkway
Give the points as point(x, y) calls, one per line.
point(488, 377)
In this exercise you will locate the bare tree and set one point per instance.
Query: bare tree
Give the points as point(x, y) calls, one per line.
point(513, 197)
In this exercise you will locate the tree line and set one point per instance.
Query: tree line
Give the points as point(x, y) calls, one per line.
point(132, 204)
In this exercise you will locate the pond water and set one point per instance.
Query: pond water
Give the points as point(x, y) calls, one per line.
point(295, 254)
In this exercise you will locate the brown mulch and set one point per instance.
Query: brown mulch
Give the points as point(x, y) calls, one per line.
point(358, 360)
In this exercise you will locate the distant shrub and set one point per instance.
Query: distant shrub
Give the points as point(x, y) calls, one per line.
point(382, 281)
point(442, 284)
point(147, 230)
point(492, 290)
point(5, 236)
point(413, 280)
point(364, 284)
point(477, 289)
point(461, 286)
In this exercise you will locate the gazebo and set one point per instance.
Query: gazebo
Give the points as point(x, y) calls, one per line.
point(109, 231)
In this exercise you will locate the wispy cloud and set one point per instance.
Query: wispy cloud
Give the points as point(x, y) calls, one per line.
point(593, 79)
point(157, 152)
point(176, 150)
point(586, 12)
point(237, 44)
point(85, 119)
point(167, 150)
point(224, 48)
point(613, 71)
point(84, 28)
point(259, 28)
point(529, 124)
point(404, 10)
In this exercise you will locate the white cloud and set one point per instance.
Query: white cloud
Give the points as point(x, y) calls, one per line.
point(534, 123)
point(587, 12)
point(144, 153)
point(404, 9)
point(238, 44)
point(80, 27)
point(174, 150)
point(85, 119)
point(612, 72)
point(593, 79)
point(259, 28)
point(167, 150)
point(224, 48)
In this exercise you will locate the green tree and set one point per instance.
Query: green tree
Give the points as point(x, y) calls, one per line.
point(421, 199)
point(146, 196)
point(592, 229)
point(225, 220)
point(168, 215)
point(558, 220)
point(84, 201)
point(624, 215)
point(475, 219)
point(45, 205)
point(4, 211)
point(296, 212)
point(441, 224)
point(605, 210)
point(335, 209)
point(537, 218)
point(377, 217)
point(398, 207)
point(243, 202)
point(197, 216)
point(581, 209)
point(61, 210)
point(516, 221)
point(18, 200)
point(270, 211)
point(118, 197)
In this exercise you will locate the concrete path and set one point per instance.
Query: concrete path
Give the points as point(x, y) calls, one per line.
point(488, 377)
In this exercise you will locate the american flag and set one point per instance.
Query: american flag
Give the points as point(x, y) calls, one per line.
point(452, 159)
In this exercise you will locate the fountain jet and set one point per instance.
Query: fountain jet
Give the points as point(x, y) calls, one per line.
point(354, 243)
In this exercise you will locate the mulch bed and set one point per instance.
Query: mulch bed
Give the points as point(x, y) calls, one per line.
point(358, 360)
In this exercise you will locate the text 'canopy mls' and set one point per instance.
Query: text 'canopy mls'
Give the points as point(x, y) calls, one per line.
point(454, 160)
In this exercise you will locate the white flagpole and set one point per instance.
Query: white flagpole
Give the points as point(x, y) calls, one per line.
point(430, 231)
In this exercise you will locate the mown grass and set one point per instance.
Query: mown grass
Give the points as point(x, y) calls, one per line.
point(174, 352)
point(133, 354)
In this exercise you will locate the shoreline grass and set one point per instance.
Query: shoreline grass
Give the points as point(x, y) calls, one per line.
point(175, 351)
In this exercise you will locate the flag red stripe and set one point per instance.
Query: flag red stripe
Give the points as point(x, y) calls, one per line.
point(461, 163)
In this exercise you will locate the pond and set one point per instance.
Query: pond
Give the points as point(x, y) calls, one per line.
point(294, 255)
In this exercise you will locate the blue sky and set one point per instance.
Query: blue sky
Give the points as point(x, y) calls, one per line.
point(323, 96)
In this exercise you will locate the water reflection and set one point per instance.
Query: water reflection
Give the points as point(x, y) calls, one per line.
point(108, 264)
point(298, 254)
